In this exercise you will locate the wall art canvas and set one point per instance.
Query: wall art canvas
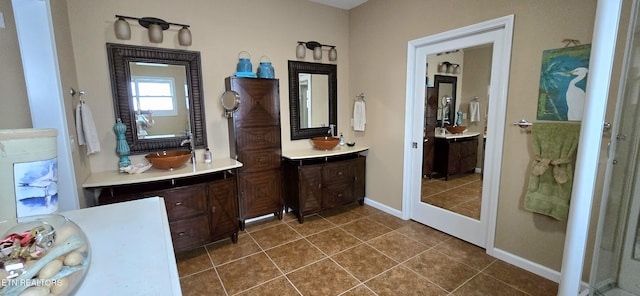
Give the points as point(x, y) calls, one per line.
point(36, 186)
point(563, 81)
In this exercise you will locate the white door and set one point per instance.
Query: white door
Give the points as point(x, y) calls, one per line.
point(496, 33)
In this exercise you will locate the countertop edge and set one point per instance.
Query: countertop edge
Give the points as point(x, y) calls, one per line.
point(458, 136)
point(314, 153)
point(111, 178)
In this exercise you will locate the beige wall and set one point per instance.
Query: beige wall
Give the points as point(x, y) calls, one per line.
point(379, 32)
point(15, 105)
point(220, 29)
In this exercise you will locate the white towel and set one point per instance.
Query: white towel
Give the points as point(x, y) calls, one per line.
point(86, 128)
point(474, 111)
point(359, 116)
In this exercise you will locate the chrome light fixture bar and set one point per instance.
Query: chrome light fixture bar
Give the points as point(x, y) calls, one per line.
point(155, 26)
point(316, 47)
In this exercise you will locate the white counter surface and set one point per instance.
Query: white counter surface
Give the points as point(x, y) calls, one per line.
point(111, 178)
point(313, 152)
point(131, 250)
point(457, 136)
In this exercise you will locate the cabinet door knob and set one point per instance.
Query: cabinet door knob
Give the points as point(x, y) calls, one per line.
point(319, 185)
point(340, 173)
point(178, 203)
point(213, 210)
point(181, 233)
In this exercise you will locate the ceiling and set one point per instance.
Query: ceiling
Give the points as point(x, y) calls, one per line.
point(343, 4)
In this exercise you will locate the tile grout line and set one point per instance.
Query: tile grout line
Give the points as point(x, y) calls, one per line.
point(215, 269)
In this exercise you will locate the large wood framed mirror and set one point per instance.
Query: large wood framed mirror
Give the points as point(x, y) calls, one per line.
point(157, 93)
point(313, 98)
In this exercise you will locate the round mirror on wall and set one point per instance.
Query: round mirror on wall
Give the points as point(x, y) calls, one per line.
point(230, 102)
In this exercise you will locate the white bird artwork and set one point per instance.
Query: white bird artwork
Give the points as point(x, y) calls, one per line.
point(575, 96)
point(46, 182)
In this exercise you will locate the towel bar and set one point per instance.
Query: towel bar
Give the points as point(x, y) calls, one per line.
point(523, 123)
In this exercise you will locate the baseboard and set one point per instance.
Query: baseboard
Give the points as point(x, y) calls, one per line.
point(383, 207)
point(369, 202)
point(525, 264)
point(543, 271)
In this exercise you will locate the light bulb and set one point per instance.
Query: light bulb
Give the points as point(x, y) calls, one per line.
point(122, 29)
point(155, 33)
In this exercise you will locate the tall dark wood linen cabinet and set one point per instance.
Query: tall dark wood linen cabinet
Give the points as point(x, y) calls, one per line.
point(254, 140)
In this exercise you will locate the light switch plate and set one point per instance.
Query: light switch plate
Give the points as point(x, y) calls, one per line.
point(1, 20)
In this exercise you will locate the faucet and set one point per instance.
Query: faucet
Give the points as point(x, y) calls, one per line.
point(443, 123)
point(331, 130)
point(189, 141)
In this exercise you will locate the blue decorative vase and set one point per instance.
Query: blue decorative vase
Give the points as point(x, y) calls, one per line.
point(244, 62)
point(459, 120)
point(265, 70)
point(122, 148)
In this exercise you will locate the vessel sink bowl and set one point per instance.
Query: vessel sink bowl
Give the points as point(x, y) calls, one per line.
point(325, 143)
point(456, 129)
point(168, 160)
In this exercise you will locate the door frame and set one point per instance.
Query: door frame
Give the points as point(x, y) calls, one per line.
point(416, 71)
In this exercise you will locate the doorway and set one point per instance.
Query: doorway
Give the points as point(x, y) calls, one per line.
point(497, 33)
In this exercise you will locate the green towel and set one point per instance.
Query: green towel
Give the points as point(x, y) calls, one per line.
point(549, 190)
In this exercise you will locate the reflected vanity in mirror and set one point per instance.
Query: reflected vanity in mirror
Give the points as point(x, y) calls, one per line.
point(312, 99)
point(157, 94)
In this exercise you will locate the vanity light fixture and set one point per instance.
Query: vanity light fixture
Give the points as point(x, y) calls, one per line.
point(155, 26)
point(316, 47)
point(449, 68)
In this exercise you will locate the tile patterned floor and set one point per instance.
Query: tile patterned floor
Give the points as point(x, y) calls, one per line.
point(354, 250)
point(460, 194)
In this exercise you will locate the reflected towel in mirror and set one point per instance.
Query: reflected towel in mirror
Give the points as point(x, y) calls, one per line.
point(474, 111)
point(86, 129)
point(359, 116)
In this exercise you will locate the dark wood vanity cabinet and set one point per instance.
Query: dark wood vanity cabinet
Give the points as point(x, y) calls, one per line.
point(455, 155)
point(254, 139)
point(313, 185)
point(200, 209)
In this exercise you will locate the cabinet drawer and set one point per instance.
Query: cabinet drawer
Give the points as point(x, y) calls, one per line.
point(332, 197)
point(259, 160)
point(183, 202)
point(189, 233)
point(256, 138)
point(338, 173)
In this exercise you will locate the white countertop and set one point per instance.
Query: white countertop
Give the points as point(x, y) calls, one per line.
point(131, 250)
point(313, 152)
point(456, 136)
point(111, 178)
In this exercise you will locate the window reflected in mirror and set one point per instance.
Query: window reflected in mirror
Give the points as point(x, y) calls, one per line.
point(160, 100)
